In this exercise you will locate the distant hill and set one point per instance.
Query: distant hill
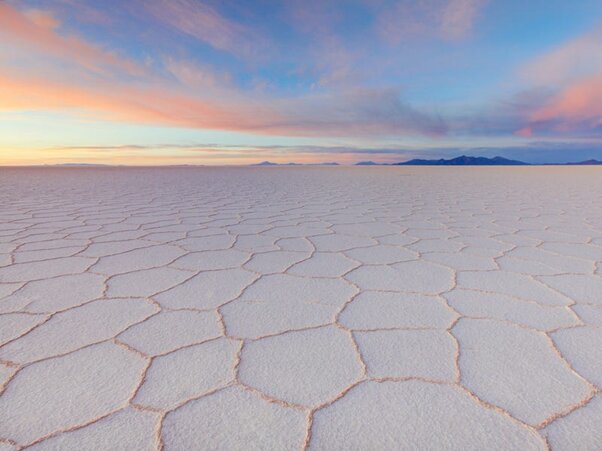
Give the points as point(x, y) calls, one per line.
point(265, 163)
point(586, 163)
point(367, 163)
point(464, 161)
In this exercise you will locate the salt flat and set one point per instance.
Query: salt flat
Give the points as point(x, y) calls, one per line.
point(301, 307)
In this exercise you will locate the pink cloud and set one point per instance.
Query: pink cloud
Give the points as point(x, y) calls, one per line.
point(458, 17)
point(36, 31)
point(577, 107)
point(99, 84)
point(206, 24)
point(446, 19)
point(572, 75)
point(575, 59)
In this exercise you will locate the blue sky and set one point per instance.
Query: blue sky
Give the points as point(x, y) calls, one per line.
point(230, 82)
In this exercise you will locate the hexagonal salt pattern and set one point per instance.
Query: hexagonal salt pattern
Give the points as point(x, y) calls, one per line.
point(300, 308)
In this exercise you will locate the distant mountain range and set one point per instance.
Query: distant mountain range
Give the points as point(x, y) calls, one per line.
point(464, 161)
point(586, 163)
point(474, 161)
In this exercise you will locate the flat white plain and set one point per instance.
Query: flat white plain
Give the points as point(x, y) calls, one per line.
point(301, 308)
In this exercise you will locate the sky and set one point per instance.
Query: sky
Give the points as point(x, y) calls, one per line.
point(164, 82)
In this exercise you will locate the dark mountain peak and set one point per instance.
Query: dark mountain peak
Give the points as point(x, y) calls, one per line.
point(465, 160)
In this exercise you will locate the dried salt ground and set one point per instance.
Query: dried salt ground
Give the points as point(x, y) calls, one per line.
point(301, 308)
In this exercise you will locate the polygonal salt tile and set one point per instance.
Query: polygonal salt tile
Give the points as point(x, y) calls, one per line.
point(559, 262)
point(397, 240)
point(381, 254)
point(146, 282)
point(50, 295)
point(46, 254)
point(589, 314)
point(275, 261)
point(461, 261)
point(279, 303)
point(13, 325)
point(369, 229)
point(78, 327)
point(145, 258)
point(587, 251)
point(517, 370)
point(114, 247)
point(6, 372)
point(168, 331)
point(282, 287)
point(430, 233)
point(413, 276)
point(579, 287)
point(477, 304)
point(5, 260)
point(257, 243)
point(416, 415)
point(429, 354)
point(64, 392)
point(210, 260)
point(233, 419)
point(294, 231)
point(248, 229)
point(338, 242)
point(323, 264)
point(112, 237)
point(511, 284)
point(165, 237)
point(518, 240)
point(435, 245)
point(208, 290)
point(482, 243)
point(582, 348)
point(125, 430)
point(578, 430)
point(522, 266)
point(207, 243)
point(550, 236)
point(295, 244)
point(7, 289)
point(372, 310)
point(23, 272)
point(188, 373)
point(307, 367)
point(254, 319)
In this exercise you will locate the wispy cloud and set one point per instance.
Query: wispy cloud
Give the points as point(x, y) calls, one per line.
point(446, 19)
point(205, 23)
point(202, 99)
point(571, 78)
point(37, 31)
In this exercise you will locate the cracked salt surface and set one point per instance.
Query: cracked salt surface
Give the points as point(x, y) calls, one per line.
point(301, 308)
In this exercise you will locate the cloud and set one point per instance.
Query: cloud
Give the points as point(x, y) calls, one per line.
point(36, 30)
point(568, 62)
point(571, 78)
point(446, 19)
point(205, 23)
point(577, 107)
point(200, 98)
point(458, 17)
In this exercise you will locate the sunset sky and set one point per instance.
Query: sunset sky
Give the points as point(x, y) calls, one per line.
point(238, 82)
